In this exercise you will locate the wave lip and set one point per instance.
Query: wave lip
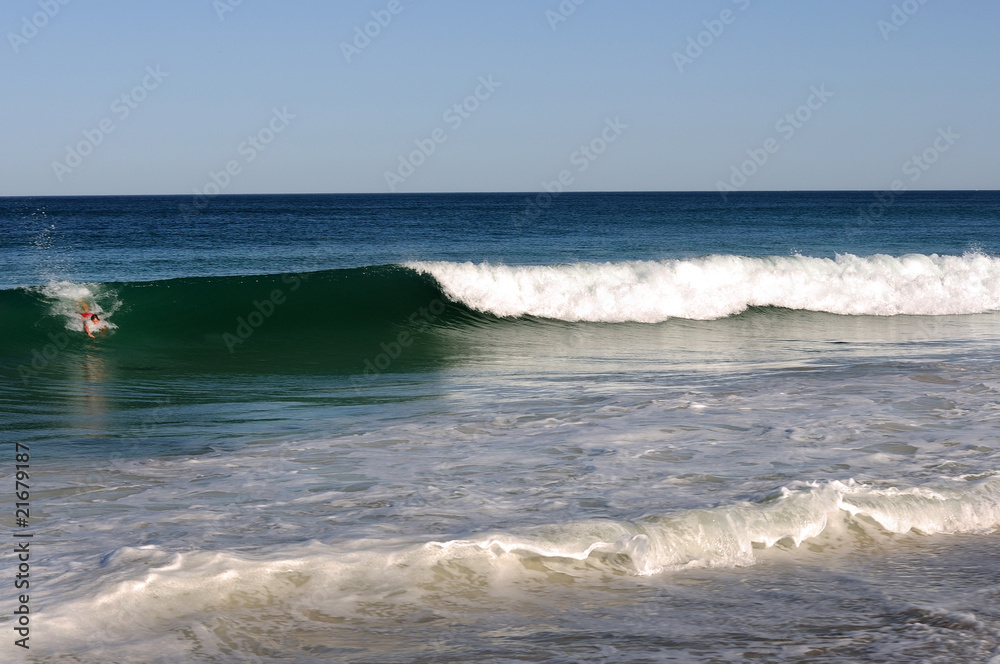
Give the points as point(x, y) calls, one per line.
point(718, 286)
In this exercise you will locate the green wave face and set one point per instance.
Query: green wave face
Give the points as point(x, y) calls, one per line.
point(334, 322)
point(397, 319)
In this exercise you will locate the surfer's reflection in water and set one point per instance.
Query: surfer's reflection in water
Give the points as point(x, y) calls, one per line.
point(92, 400)
point(93, 376)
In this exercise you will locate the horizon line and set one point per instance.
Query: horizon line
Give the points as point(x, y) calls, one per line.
point(502, 193)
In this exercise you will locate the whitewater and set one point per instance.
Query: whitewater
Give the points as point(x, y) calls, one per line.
point(718, 286)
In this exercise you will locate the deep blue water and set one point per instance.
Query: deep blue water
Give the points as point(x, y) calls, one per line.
point(157, 237)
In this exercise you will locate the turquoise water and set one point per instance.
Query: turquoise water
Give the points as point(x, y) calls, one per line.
point(604, 427)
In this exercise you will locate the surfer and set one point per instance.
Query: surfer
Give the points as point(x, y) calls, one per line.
point(91, 321)
point(89, 318)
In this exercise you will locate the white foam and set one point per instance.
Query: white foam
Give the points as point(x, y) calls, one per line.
point(68, 300)
point(719, 286)
point(137, 593)
point(974, 510)
point(727, 535)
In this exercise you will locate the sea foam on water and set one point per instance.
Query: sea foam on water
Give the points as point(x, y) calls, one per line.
point(718, 286)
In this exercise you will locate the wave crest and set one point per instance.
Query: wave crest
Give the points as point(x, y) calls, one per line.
point(719, 286)
point(726, 536)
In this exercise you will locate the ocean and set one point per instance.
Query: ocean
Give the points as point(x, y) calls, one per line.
point(582, 427)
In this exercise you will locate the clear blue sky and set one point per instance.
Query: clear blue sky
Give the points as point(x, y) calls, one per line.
point(892, 93)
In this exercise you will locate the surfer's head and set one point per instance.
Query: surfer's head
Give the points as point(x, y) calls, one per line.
point(95, 319)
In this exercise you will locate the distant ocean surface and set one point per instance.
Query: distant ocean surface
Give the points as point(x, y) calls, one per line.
point(505, 427)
